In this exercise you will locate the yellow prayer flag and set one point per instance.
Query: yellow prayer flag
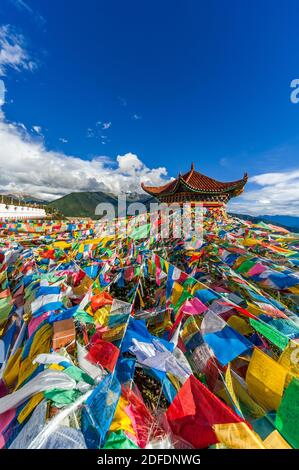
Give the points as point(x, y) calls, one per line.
point(174, 380)
point(166, 266)
point(191, 326)
point(198, 286)
point(61, 244)
point(142, 304)
point(289, 359)
point(3, 276)
point(255, 410)
point(41, 344)
point(83, 287)
point(237, 436)
point(150, 266)
point(254, 309)
point(294, 289)
point(239, 261)
point(265, 379)
point(56, 367)
point(239, 324)
point(42, 341)
point(276, 441)
point(33, 402)
point(230, 388)
point(89, 310)
point(250, 242)
point(101, 316)
point(81, 248)
point(176, 293)
point(11, 372)
point(121, 420)
point(114, 334)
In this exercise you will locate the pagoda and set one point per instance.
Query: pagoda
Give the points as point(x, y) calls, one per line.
point(194, 187)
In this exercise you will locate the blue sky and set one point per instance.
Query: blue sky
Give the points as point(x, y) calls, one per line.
point(157, 84)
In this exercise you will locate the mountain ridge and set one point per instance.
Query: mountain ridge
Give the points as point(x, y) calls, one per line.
point(84, 203)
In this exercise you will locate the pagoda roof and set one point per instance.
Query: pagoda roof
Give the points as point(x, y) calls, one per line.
point(194, 181)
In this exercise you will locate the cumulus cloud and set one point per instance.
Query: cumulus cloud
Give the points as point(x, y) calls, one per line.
point(12, 51)
point(270, 194)
point(106, 125)
point(27, 166)
point(268, 179)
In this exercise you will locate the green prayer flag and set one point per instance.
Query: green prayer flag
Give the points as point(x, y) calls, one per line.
point(62, 397)
point(77, 374)
point(140, 232)
point(119, 440)
point(5, 308)
point(287, 417)
point(246, 266)
point(83, 317)
point(273, 335)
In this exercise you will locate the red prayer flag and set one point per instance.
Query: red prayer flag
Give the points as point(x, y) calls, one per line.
point(194, 411)
point(103, 353)
point(142, 419)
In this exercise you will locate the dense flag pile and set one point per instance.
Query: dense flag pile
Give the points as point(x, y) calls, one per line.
point(131, 340)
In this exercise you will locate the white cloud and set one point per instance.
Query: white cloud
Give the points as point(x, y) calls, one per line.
point(268, 179)
point(272, 194)
point(27, 166)
point(38, 130)
point(96, 132)
point(63, 140)
point(2, 93)
point(136, 117)
point(12, 51)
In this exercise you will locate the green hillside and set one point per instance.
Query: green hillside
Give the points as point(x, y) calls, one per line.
point(83, 204)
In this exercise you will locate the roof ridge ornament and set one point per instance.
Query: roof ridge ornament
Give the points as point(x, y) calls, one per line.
point(192, 166)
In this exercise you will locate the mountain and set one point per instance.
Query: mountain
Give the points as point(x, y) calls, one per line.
point(19, 198)
point(287, 221)
point(83, 204)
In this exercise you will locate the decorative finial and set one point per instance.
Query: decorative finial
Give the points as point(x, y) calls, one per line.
point(192, 166)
